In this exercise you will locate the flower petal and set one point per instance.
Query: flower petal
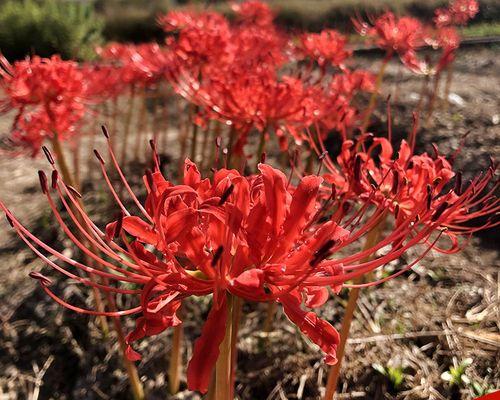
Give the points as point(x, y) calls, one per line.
point(206, 349)
point(318, 330)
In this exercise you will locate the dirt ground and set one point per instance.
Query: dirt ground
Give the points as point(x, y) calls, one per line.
point(442, 313)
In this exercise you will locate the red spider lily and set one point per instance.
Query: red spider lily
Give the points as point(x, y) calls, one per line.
point(49, 95)
point(367, 170)
point(142, 65)
point(448, 40)
point(202, 38)
point(459, 12)
point(396, 35)
point(326, 47)
point(254, 13)
point(250, 99)
point(258, 238)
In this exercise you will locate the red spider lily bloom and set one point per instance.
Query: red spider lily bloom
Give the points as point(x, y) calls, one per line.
point(142, 65)
point(259, 238)
point(254, 13)
point(198, 238)
point(370, 173)
point(448, 40)
point(251, 99)
point(459, 12)
point(326, 47)
point(202, 38)
point(396, 35)
point(48, 91)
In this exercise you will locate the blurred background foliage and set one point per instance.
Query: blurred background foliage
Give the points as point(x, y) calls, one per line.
point(73, 28)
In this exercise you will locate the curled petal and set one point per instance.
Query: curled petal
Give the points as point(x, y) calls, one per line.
point(206, 349)
point(318, 330)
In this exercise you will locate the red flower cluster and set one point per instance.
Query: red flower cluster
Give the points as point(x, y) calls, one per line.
point(140, 65)
point(49, 95)
point(366, 170)
point(459, 12)
point(258, 238)
point(326, 47)
point(396, 35)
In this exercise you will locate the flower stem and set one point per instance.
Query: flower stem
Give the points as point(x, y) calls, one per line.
point(334, 374)
point(237, 308)
point(141, 126)
point(223, 384)
point(434, 96)
point(133, 376)
point(271, 312)
point(447, 87)
point(194, 141)
point(261, 148)
point(373, 97)
point(128, 121)
point(175, 360)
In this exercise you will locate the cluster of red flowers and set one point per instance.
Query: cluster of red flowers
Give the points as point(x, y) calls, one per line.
point(49, 96)
point(263, 237)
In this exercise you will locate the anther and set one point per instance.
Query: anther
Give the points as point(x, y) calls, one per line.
point(357, 168)
point(105, 131)
point(55, 177)
point(9, 220)
point(440, 210)
point(226, 194)
point(458, 183)
point(40, 278)
point(43, 181)
point(119, 225)
point(322, 253)
point(217, 255)
point(48, 154)
point(74, 191)
point(395, 182)
point(98, 155)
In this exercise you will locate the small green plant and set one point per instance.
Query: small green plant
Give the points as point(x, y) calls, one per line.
point(395, 375)
point(456, 375)
point(49, 27)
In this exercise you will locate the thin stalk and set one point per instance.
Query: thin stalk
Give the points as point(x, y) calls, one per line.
point(447, 87)
point(434, 96)
point(184, 132)
point(114, 123)
point(271, 312)
point(174, 367)
point(126, 131)
point(223, 384)
point(261, 148)
point(166, 122)
point(91, 147)
point(232, 137)
point(76, 163)
point(331, 386)
point(135, 382)
point(373, 97)
point(205, 151)
point(194, 140)
point(423, 89)
point(237, 309)
point(140, 126)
